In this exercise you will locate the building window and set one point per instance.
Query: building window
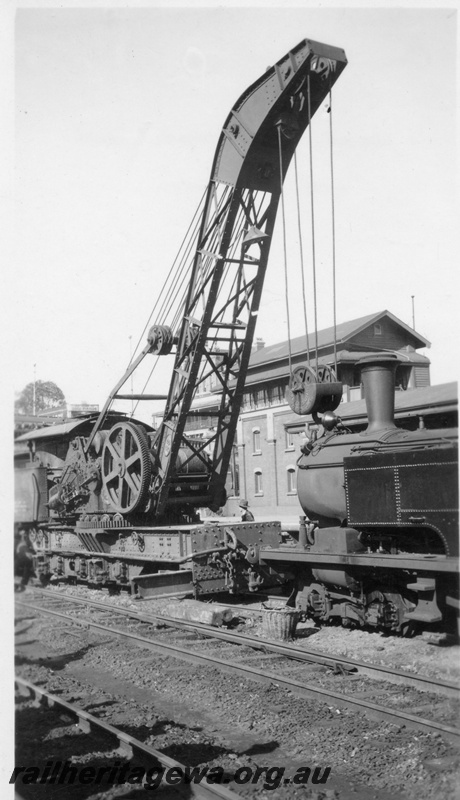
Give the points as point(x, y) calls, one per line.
point(259, 398)
point(291, 481)
point(377, 329)
point(355, 393)
point(258, 488)
point(277, 395)
point(355, 388)
point(289, 439)
point(246, 401)
point(256, 441)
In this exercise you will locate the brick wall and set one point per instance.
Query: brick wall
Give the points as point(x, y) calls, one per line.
point(272, 462)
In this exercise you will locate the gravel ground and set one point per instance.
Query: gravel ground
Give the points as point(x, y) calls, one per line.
point(433, 653)
point(203, 717)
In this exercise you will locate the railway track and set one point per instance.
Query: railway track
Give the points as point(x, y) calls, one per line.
point(336, 662)
point(206, 646)
point(127, 746)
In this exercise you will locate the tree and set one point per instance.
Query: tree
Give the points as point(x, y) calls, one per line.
point(47, 396)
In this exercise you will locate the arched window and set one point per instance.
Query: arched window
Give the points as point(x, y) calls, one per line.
point(258, 486)
point(291, 480)
point(256, 440)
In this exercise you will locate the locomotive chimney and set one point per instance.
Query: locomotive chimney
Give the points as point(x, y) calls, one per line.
point(378, 376)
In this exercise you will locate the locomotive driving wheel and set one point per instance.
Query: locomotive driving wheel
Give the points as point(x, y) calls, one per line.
point(126, 467)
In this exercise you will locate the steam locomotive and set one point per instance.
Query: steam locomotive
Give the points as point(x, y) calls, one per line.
point(380, 539)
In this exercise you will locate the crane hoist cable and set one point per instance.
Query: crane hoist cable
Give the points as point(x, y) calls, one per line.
point(174, 284)
point(302, 266)
point(313, 247)
point(207, 271)
point(177, 279)
point(174, 271)
point(334, 299)
point(312, 205)
point(243, 170)
point(179, 282)
point(180, 285)
point(174, 289)
point(178, 313)
point(333, 238)
point(283, 218)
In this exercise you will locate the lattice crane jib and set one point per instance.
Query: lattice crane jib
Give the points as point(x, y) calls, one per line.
point(255, 148)
point(227, 264)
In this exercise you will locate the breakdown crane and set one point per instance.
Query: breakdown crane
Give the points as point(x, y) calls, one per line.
point(123, 502)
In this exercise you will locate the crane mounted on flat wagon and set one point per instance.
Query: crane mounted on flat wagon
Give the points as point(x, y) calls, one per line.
point(109, 501)
point(121, 503)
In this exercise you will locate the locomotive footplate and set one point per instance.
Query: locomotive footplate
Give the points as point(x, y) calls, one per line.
point(427, 563)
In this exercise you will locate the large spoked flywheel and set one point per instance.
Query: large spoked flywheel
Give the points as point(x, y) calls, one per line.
point(126, 467)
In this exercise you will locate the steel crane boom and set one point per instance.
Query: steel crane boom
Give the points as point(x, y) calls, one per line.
point(255, 148)
point(215, 335)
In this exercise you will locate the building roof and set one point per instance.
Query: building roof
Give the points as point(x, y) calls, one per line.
point(276, 372)
point(50, 431)
point(344, 332)
point(59, 429)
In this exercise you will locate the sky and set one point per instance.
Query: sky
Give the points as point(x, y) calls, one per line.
point(117, 113)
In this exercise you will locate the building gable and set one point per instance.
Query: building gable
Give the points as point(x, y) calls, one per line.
point(384, 333)
point(351, 334)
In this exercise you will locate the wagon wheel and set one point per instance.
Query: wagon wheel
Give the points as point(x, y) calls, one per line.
point(126, 466)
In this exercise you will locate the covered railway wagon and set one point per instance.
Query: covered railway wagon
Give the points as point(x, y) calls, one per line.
point(111, 502)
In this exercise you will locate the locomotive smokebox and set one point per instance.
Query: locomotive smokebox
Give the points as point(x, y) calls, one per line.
point(378, 376)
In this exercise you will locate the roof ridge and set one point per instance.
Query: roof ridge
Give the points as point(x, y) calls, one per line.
point(344, 331)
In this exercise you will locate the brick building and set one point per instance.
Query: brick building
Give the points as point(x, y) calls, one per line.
point(269, 433)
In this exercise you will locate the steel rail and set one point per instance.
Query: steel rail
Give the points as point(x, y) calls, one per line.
point(374, 710)
point(128, 744)
point(378, 672)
